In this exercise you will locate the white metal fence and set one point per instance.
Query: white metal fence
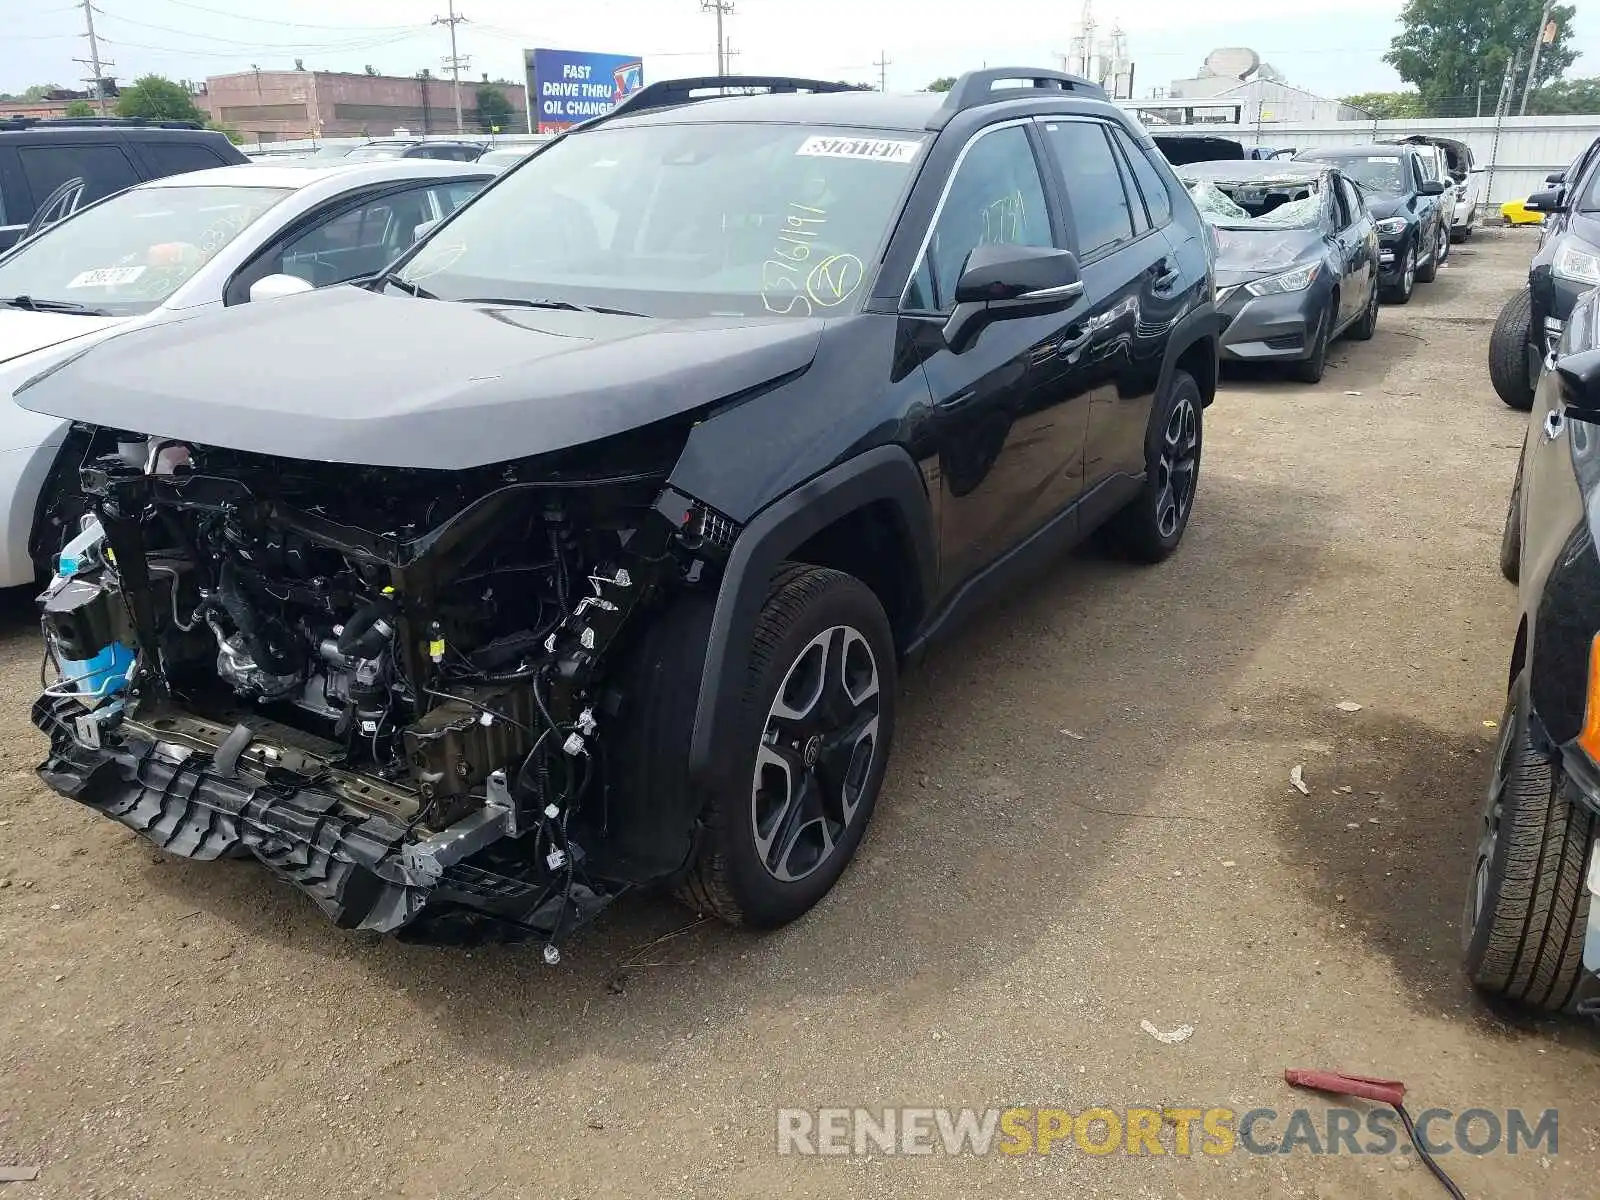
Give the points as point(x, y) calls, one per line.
point(1515, 152)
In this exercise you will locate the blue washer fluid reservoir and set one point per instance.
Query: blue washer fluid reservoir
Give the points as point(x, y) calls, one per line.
point(81, 552)
point(104, 675)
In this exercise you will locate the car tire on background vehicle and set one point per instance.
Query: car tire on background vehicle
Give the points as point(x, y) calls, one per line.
point(1151, 526)
point(1311, 368)
point(1511, 535)
point(1510, 363)
point(1430, 272)
point(1400, 293)
point(1527, 908)
point(1367, 324)
point(820, 688)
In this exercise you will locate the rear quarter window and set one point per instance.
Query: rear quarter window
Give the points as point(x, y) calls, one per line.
point(103, 167)
point(177, 158)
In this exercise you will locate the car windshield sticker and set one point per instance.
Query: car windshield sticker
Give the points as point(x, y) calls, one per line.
point(876, 149)
point(105, 277)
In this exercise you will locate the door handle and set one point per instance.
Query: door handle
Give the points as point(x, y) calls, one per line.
point(1165, 276)
point(1075, 339)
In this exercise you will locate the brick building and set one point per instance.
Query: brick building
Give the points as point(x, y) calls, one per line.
point(277, 105)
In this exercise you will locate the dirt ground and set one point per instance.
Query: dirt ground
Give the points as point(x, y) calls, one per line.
point(1025, 898)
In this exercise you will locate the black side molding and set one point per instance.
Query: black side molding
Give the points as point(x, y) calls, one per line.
point(886, 473)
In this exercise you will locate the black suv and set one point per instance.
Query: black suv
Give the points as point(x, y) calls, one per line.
point(50, 168)
point(1407, 207)
point(596, 565)
point(1564, 267)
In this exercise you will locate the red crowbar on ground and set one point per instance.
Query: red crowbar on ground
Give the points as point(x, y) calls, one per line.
point(1385, 1091)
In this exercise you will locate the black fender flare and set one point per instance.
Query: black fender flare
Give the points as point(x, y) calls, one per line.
point(886, 473)
point(1201, 323)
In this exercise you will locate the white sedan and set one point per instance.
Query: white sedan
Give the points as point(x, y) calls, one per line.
point(165, 250)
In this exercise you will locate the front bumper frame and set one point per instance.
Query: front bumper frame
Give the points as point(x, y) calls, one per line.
point(365, 871)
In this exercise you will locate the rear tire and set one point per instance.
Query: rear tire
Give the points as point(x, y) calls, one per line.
point(1151, 526)
point(1367, 324)
point(779, 840)
point(1511, 535)
point(1510, 360)
point(1527, 908)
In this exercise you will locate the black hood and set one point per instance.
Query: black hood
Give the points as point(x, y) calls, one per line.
point(1387, 206)
point(1246, 254)
point(346, 375)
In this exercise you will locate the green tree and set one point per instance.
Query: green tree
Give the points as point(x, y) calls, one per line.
point(39, 91)
point(79, 108)
point(943, 84)
point(1447, 48)
point(157, 98)
point(227, 131)
point(1386, 106)
point(494, 110)
point(1566, 96)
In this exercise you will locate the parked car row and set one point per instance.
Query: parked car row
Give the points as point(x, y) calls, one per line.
point(577, 548)
point(1306, 247)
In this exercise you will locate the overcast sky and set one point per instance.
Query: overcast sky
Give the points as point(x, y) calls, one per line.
point(1332, 47)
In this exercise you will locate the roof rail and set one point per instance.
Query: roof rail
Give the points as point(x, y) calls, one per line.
point(977, 88)
point(671, 92)
point(12, 123)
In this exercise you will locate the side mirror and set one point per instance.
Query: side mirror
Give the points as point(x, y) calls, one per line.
point(421, 231)
point(1553, 177)
point(1547, 201)
point(1431, 187)
point(1004, 281)
point(1580, 378)
point(275, 287)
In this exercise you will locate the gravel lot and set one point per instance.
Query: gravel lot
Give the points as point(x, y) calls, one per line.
point(1025, 898)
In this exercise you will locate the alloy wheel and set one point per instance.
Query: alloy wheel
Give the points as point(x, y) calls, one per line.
point(816, 755)
point(1177, 466)
point(1410, 271)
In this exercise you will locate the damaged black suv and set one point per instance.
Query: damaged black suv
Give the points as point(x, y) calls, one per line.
point(579, 552)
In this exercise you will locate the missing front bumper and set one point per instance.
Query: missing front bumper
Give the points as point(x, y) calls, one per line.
point(363, 870)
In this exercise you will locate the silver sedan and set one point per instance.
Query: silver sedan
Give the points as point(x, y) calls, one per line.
point(172, 247)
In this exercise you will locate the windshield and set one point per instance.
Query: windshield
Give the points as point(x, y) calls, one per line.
point(369, 153)
point(128, 254)
point(681, 221)
point(1259, 203)
point(1381, 173)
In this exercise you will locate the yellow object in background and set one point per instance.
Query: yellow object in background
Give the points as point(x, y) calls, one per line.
point(1516, 212)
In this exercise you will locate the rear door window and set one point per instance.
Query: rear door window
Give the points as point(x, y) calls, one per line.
point(103, 167)
point(1157, 200)
point(1101, 214)
point(176, 158)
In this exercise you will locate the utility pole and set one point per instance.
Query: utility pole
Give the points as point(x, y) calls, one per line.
point(1533, 62)
point(93, 61)
point(722, 8)
point(883, 64)
point(454, 61)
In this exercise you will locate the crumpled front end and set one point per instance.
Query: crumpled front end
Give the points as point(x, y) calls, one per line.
point(396, 689)
point(365, 871)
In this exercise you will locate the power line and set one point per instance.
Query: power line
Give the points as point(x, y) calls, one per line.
point(256, 44)
point(93, 62)
point(217, 12)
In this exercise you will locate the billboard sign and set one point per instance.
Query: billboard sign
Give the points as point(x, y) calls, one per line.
point(567, 87)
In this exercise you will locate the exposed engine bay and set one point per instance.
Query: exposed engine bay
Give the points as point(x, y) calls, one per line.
point(392, 686)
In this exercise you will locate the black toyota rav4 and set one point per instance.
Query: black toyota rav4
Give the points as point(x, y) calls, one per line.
point(581, 550)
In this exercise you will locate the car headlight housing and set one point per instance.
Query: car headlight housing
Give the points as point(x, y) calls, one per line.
point(1390, 226)
point(1578, 263)
point(1297, 280)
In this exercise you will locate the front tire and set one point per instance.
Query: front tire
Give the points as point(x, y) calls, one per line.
point(1527, 908)
point(1427, 274)
point(1151, 526)
point(1400, 293)
point(1510, 358)
point(812, 740)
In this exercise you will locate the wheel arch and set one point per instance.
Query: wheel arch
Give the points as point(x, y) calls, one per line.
point(1193, 348)
point(879, 495)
